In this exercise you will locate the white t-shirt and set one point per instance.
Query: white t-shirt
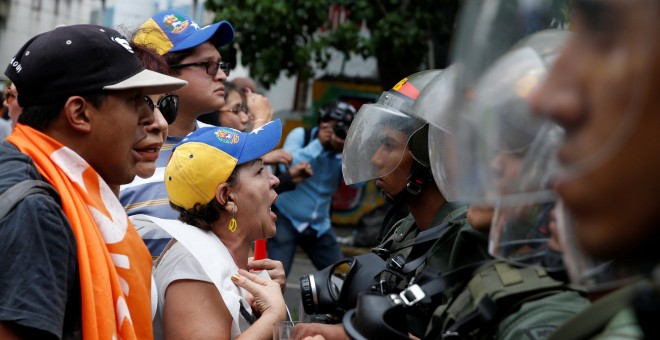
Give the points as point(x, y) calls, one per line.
point(179, 263)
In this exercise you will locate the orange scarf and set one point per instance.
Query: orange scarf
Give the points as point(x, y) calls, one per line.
point(114, 263)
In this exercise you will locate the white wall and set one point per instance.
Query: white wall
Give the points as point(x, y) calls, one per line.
point(26, 20)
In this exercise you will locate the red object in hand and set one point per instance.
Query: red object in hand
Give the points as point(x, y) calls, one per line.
point(259, 250)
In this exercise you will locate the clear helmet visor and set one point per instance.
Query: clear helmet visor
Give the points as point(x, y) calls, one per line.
point(378, 139)
point(501, 53)
point(434, 104)
point(489, 29)
point(588, 272)
point(605, 73)
point(444, 164)
point(505, 152)
point(526, 234)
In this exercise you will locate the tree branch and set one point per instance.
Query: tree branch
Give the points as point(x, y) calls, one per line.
point(381, 7)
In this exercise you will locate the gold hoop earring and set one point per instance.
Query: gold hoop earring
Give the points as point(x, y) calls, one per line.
point(233, 225)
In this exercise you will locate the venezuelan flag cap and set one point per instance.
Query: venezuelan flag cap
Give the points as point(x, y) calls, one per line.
point(208, 156)
point(171, 31)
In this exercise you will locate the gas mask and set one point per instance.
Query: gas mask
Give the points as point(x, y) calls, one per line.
point(335, 289)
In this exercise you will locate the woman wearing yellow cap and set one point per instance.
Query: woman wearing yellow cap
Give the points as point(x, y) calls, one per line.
point(217, 181)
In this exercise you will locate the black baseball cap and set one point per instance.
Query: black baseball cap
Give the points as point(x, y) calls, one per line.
point(80, 60)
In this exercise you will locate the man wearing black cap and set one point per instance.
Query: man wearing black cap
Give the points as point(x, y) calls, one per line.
point(72, 263)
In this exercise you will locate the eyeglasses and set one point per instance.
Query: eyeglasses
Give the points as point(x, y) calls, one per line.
point(236, 110)
point(211, 67)
point(9, 93)
point(168, 106)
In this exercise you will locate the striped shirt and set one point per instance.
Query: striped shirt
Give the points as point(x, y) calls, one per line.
point(148, 196)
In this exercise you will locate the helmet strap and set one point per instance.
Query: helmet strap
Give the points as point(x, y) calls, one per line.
point(419, 176)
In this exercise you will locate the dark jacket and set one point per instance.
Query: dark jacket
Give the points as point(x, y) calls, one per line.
point(39, 284)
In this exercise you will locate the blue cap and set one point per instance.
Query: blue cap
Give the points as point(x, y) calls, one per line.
point(171, 31)
point(208, 156)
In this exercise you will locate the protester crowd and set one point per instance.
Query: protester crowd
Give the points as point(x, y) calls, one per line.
point(136, 180)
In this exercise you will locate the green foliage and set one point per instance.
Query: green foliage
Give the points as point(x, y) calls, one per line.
point(287, 35)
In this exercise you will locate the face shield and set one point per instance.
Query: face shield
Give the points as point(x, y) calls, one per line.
point(493, 119)
point(526, 234)
point(489, 29)
point(587, 272)
point(378, 138)
point(434, 102)
point(505, 152)
point(434, 106)
point(617, 42)
point(524, 228)
point(602, 90)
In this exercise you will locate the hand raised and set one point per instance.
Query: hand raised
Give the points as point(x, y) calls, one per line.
point(267, 295)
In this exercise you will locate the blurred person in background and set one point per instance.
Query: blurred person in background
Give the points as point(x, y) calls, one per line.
point(11, 103)
point(5, 123)
point(234, 114)
point(304, 213)
point(245, 84)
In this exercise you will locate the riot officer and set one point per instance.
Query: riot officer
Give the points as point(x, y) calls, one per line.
point(387, 144)
point(603, 91)
point(495, 145)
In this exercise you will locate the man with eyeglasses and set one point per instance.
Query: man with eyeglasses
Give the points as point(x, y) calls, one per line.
point(5, 125)
point(192, 54)
point(11, 103)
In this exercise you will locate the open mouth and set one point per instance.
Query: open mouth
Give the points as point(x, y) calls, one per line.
point(272, 214)
point(148, 153)
point(149, 150)
point(270, 209)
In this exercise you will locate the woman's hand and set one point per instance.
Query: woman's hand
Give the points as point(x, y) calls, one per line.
point(274, 268)
point(318, 331)
point(268, 299)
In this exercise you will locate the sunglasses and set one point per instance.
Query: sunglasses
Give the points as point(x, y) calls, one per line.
point(210, 66)
point(8, 93)
point(168, 106)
